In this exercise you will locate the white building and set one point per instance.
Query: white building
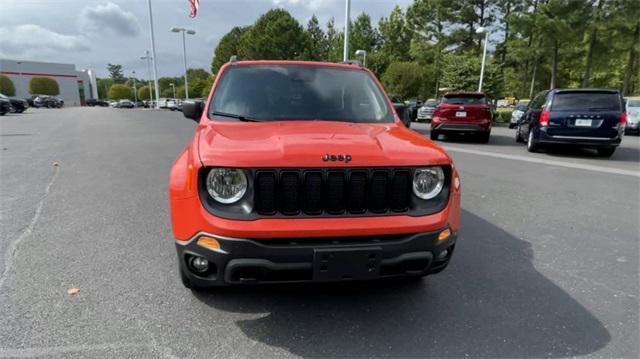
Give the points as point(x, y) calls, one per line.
point(75, 86)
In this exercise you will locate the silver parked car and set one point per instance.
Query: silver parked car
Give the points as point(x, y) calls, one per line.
point(633, 116)
point(518, 111)
point(425, 112)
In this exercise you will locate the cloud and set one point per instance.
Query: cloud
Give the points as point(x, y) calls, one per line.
point(309, 4)
point(97, 19)
point(23, 38)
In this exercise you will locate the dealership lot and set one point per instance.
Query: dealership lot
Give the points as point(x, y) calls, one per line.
point(547, 263)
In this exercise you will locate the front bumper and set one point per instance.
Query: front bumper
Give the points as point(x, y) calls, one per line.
point(287, 260)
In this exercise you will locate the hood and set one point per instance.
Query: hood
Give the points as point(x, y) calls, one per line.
point(305, 143)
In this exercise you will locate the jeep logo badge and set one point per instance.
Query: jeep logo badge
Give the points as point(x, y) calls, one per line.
point(333, 158)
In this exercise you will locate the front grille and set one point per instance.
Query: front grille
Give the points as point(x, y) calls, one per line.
point(332, 191)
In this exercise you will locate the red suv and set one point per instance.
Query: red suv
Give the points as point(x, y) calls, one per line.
point(303, 171)
point(462, 112)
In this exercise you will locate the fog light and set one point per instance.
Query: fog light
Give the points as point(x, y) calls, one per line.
point(444, 234)
point(199, 264)
point(443, 255)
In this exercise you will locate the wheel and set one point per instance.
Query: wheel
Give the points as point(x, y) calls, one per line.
point(484, 137)
point(606, 152)
point(434, 135)
point(519, 138)
point(532, 146)
point(512, 125)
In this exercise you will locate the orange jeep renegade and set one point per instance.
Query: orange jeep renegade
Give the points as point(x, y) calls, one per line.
point(302, 171)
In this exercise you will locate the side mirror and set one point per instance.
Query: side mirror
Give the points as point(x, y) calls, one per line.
point(192, 109)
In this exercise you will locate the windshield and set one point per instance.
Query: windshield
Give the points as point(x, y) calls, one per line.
point(3, 96)
point(431, 103)
point(633, 103)
point(294, 92)
point(586, 101)
point(521, 107)
point(464, 99)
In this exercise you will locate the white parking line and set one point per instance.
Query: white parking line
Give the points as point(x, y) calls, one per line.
point(546, 162)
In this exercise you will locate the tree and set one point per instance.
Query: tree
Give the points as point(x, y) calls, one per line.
point(197, 74)
point(363, 36)
point(227, 47)
point(115, 71)
point(144, 93)
point(403, 78)
point(461, 72)
point(276, 35)
point(40, 85)
point(207, 88)
point(119, 92)
point(396, 39)
point(6, 86)
point(427, 21)
point(335, 41)
point(103, 86)
point(316, 46)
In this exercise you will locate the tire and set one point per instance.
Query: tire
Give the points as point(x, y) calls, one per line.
point(519, 138)
point(512, 125)
point(484, 137)
point(434, 135)
point(532, 146)
point(606, 152)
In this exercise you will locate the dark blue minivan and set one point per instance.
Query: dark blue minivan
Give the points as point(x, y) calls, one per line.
point(592, 118)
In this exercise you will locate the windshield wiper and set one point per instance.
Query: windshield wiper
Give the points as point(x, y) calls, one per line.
point(232, 115)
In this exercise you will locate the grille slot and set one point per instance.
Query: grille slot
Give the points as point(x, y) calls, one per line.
point(332, 191)
point(265, 196)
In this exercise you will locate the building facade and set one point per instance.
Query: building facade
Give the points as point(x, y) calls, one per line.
point(76, 87)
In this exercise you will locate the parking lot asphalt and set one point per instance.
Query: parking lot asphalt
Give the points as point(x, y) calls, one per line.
point(546, 265)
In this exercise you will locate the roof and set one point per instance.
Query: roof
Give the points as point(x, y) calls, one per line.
point(463, 93)
point(350, 65)
point(587, 90)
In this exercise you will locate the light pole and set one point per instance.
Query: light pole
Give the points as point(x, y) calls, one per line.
point(22, 84)
point(153, 59)
point(347, 19)
point(482, 30)
point(173, 86)
point(147, 57)
point(184, 56)
point(135, 89)
point(362, 53)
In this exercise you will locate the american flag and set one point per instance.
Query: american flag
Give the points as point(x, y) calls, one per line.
point(194, 7)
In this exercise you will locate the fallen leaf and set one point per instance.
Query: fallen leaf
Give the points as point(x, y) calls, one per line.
point(56, 164)
point(73, 291)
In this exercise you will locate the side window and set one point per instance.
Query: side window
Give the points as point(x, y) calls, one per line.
point(539, 100)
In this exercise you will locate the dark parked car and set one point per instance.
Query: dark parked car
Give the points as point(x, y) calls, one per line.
point(413, 106)
point(462, 112)
point(47, 101)
point(97, 102)
point(125, 104)
point(401, 109)
point(5, 106)
point(18, 105)
point(592, 118)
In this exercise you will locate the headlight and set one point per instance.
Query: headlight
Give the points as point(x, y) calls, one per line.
point(428, 182)
point(226, 185)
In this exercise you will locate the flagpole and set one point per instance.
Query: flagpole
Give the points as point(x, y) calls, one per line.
point(153, 58)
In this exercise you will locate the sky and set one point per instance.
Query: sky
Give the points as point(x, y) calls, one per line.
point(93, 33)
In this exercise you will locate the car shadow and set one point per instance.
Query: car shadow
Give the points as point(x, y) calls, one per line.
point(490, 302)
point(624, 154)
point(495, 139)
